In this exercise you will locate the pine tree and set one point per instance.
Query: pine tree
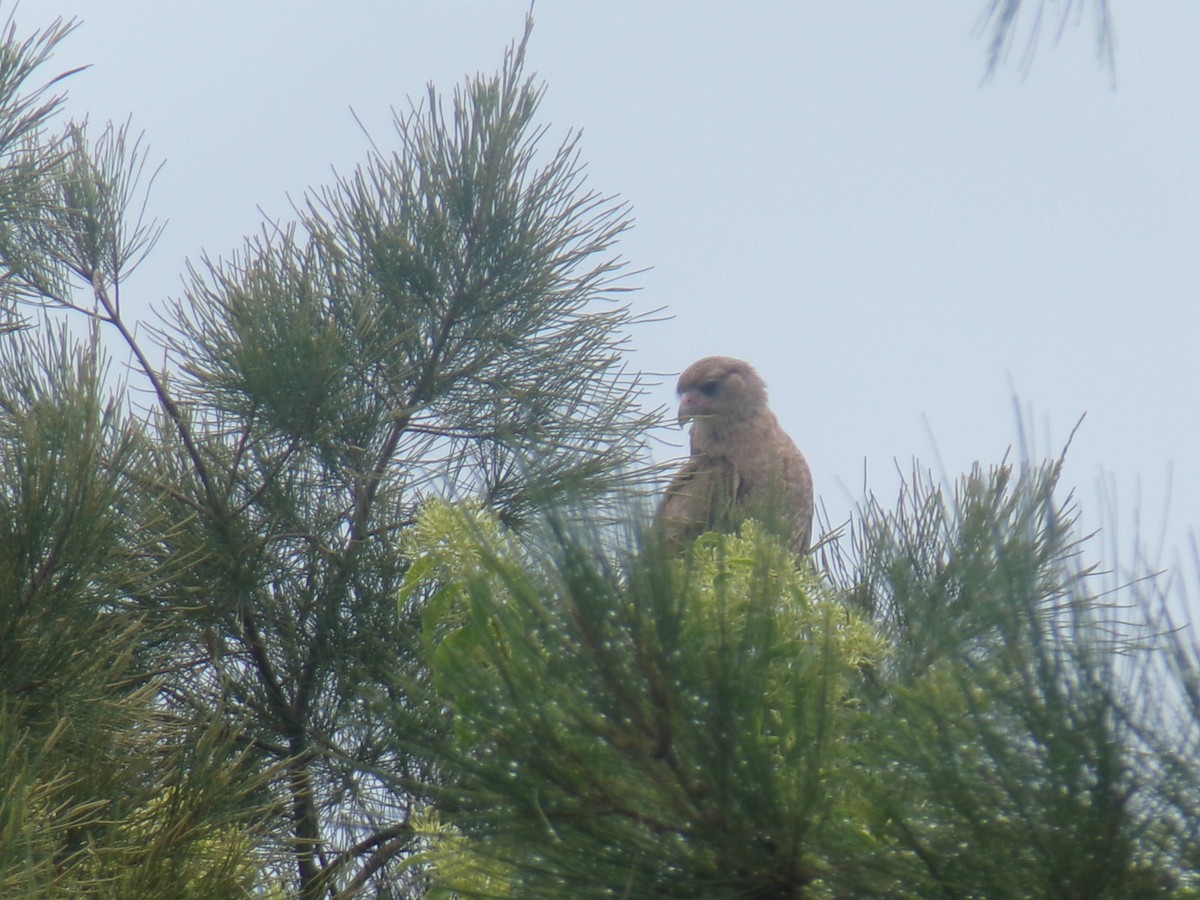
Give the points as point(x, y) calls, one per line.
point(443, 322)
point(360, 600)
point(955, 708)
point(101, 794)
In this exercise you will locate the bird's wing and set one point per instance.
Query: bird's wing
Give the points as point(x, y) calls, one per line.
point(799, 487)
point(698, 499)
point(775, 485)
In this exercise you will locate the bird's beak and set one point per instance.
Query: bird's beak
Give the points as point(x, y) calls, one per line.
point(687, 406)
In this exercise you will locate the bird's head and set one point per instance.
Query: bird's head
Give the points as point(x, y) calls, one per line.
point(720, 390)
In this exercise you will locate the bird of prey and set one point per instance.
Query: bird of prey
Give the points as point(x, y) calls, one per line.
point(742, 463)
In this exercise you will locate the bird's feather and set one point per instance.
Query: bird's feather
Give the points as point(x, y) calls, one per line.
point(742, 463)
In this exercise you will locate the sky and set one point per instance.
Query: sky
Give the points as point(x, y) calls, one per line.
point(907, 251)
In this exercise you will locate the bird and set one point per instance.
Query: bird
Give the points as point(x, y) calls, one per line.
point(742, 463)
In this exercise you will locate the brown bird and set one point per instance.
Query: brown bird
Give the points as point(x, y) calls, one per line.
point(742, 462)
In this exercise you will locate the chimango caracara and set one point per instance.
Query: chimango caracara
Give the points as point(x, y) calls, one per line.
point(742, 463)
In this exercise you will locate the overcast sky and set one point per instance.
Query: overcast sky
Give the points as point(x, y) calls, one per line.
point(829, 190)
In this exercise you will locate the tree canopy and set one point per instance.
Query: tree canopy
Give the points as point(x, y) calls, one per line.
point(346, 587)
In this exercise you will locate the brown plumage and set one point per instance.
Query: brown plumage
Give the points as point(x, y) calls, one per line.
point(742, 462)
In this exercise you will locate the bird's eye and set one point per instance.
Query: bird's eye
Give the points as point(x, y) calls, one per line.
point(709, 388)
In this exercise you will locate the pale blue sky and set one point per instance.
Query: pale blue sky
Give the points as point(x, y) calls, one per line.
point(827, 189)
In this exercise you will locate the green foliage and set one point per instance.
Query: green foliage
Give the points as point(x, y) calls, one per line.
point(93, 801)
point(26, 159)
point(447, 307)
point(325, 619)
point(1008, 743)
point(730, 725)
point(441, 322)
point(690, 725)
point(86, 754)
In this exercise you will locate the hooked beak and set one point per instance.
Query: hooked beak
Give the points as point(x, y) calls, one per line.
point(688, 403)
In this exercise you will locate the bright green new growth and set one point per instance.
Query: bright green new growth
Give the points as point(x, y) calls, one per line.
point(685, 719)
point(960, 710)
